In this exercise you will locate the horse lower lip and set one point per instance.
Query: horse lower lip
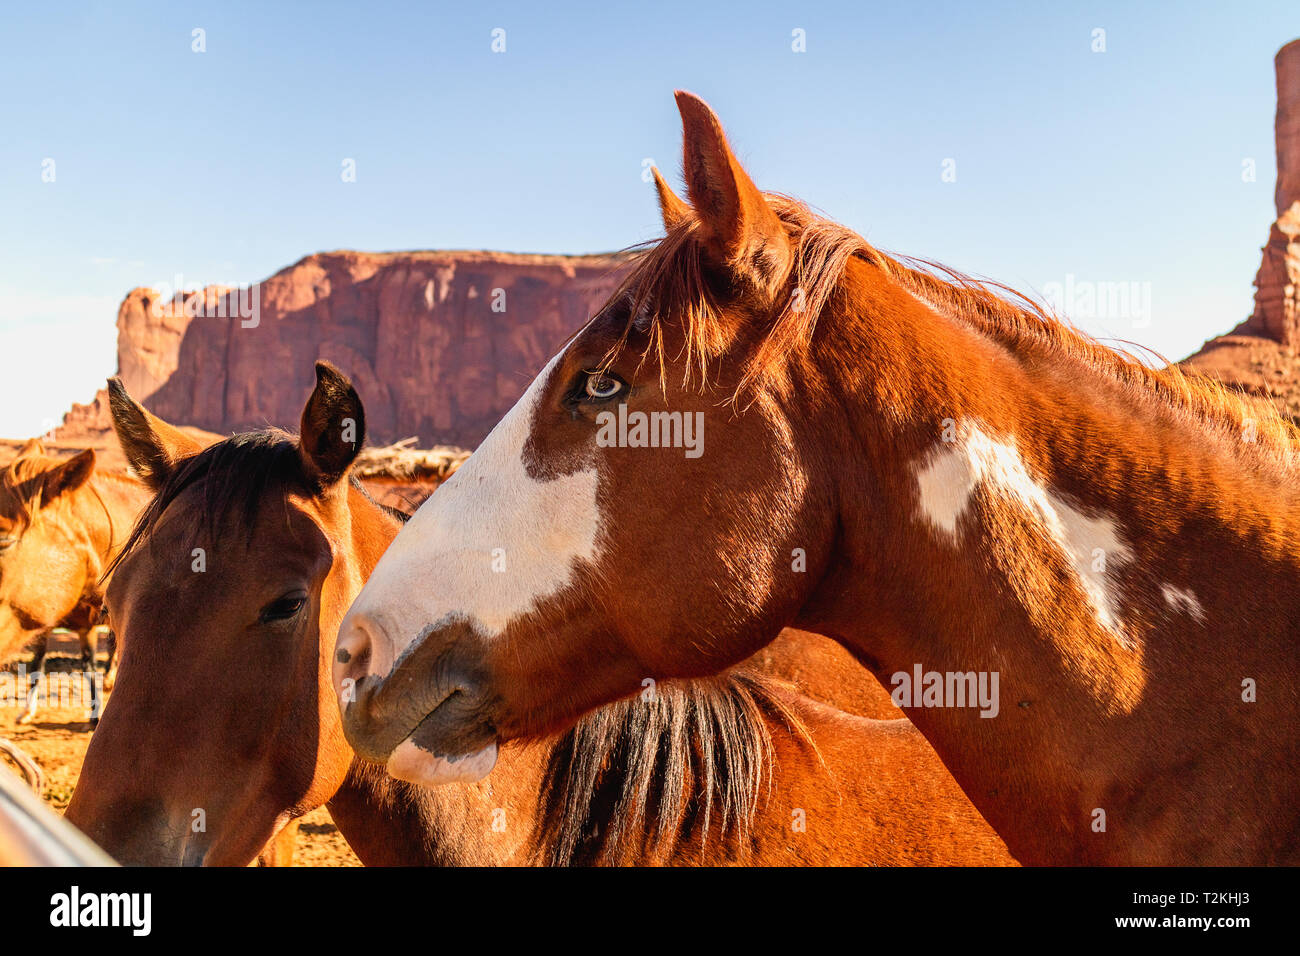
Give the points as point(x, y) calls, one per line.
point(444, 732)
point(413, 763)
point(377, 720)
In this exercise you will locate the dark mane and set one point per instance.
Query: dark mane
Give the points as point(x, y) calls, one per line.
point(638, 778)
point(236, 475)
point(669, 278)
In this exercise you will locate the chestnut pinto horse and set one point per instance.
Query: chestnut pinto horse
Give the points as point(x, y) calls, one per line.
point(61, 524)
point(967, 486)
point(224, 705)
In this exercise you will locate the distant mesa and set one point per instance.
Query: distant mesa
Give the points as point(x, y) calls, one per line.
point(440, 345)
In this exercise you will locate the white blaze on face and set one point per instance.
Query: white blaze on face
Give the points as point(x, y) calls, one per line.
point(948, 478)
point(490, 544)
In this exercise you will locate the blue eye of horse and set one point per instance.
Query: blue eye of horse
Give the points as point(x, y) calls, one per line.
point(602, 387)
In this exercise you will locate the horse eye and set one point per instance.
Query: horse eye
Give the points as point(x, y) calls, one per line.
point(601, 387)
point(7, 541)
point(282, 609)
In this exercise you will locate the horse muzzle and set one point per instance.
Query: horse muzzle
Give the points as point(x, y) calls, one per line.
point(426, 718)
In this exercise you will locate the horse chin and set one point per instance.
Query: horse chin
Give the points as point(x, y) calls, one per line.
point(16, 635)
point(414, 764)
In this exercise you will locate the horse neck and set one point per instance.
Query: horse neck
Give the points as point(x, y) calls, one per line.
point(1087, 543)
point(389, 823)
point(371, 531)
point(875, 784)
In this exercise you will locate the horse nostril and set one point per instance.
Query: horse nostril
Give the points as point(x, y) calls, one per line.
point(353, 654)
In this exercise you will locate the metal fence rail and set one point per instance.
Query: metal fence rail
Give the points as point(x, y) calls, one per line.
point(31, 834)
point(27, 767)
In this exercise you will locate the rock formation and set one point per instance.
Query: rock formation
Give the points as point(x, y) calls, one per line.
point(439, 344)
point(1277, 285)
point(1260, 356)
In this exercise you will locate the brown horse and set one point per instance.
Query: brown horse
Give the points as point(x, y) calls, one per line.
point(963, 491)
point(61, 524)
point(223, 725)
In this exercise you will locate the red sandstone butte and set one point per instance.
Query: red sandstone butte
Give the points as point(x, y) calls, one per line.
point(438, 344)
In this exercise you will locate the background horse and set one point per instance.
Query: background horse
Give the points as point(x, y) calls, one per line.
point(957, 487)
point(224, 710)
point(61, 524)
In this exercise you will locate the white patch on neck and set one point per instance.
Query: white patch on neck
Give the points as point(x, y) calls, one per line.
point(949, 477)
point(491, 543)
point(1182, 599)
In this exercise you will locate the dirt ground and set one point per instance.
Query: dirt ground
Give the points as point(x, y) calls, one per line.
point(58, 738)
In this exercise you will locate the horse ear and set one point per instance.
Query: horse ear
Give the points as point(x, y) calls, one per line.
point(738, 228)
point(67, 476)
point(333, 426)
point(673, 210)
point(152, 447)
point(31, 448)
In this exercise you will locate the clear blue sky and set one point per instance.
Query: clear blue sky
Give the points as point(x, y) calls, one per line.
point(224, 166)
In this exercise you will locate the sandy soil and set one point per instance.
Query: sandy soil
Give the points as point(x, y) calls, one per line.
point(58, 739)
